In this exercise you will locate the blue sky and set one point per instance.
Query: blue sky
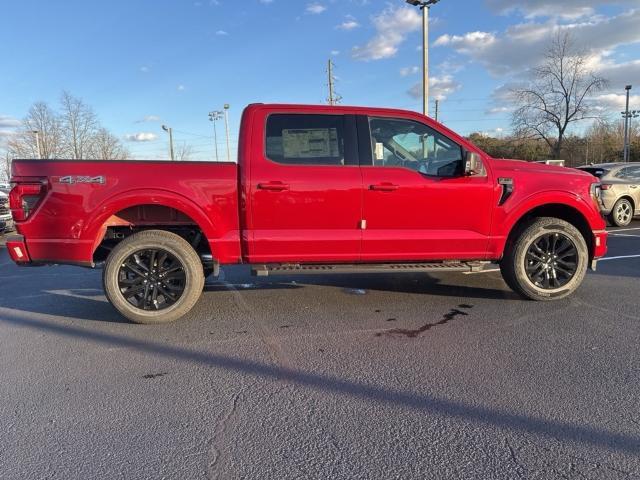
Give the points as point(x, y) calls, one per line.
point(140, 63)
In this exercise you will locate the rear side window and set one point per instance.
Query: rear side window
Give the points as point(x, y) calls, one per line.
point(297, 139)
point(628, 173)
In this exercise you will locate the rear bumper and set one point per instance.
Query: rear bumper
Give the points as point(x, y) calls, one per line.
point(17, 248)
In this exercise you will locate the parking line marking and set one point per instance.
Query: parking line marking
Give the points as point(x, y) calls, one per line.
point(623, 235)
point(623, 229)
point(618, 258)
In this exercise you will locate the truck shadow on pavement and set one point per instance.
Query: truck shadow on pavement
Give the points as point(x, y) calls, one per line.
point(562, 431)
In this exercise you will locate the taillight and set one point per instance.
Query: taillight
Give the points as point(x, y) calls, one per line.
point(23, 199)
point(605, 186)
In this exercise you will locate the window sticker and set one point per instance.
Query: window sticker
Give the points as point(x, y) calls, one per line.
point(310, 142)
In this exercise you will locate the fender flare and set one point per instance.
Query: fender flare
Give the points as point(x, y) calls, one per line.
point(541, 199)
point(94, 229)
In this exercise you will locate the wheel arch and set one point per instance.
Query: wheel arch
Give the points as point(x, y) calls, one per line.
point(631, 200)
point(179, 212)
point(562, 211)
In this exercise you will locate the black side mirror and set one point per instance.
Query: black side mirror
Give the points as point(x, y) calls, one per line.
point(473, 165)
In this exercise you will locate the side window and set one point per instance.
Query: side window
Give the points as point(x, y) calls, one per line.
point(409, 144)
point(634, 173)
point(297, 139)
point(623, 173)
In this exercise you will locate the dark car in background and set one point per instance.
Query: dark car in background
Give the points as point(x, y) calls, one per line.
point(620, 190)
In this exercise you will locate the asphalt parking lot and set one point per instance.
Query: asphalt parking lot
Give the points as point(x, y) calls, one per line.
point(381, 377)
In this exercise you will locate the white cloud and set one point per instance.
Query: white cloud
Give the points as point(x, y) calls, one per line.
point(222, 33)
point(349, 23)
point(523, 45)
point(141, 137)
point(616, 102)
point(392, 27)
point(181, 88)
point(149, 118)
point(266, 2)
point(335, 53)
point(439, 87)
point(315, 8)
point(468, 43)
point(496, 110)
point(406, 71)
point(567, 9)
point(9, 122)
point(145, 69)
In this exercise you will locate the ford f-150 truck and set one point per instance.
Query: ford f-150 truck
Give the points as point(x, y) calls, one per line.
point(317, 189)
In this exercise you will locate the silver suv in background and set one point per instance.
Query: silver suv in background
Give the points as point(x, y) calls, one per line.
point(620, 190)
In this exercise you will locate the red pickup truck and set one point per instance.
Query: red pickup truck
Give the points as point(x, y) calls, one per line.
point(317, 189)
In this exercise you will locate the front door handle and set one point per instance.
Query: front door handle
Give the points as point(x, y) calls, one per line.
point(384, 187)
point(273, 186)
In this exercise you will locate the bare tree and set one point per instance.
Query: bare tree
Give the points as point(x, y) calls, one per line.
point(183, 152)
point(559, 94)
point(105, 146)
point(74, 133)
point(79, 125)
point(5, 167)
point(43, 120)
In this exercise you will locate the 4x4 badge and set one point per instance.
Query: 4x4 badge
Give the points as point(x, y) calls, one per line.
point(70, 179)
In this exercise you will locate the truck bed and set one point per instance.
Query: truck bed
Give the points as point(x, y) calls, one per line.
point(81, 198)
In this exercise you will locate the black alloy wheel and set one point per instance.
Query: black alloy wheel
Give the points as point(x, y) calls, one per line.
point(152, 279)
point(551, 261)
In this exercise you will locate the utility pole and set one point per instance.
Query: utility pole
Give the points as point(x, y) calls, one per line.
point(214, 117)
point(170, 131)
point(437, 105)
point(628, 115)
point(334, 98)
point(626, 126)
point(37, 134)
point(226, 126)
point(424, 6)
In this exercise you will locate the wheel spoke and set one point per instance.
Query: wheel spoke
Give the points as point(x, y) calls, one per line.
point(551, 260)
point(152, 279)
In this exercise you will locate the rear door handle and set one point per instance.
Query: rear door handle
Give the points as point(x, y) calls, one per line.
point(273, 186)
point(384, 187)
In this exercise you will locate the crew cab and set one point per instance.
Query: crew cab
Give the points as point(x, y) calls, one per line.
point(317, 189)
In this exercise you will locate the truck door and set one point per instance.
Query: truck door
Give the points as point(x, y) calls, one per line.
point(305, 189)
point(418, 204)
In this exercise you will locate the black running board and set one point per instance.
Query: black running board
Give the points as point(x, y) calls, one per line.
point(313, 269)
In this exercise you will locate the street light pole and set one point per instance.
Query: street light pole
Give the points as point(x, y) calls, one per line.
point(626, 126)
point(170, 131)
point(37, 134)
point(214, 117)
point(226, 126)
point(424, 5)
point(425, 60)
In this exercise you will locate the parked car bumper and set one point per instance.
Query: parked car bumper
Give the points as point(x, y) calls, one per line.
point(6, 223)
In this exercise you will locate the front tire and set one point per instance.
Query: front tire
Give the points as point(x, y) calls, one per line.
point(547, 260)
point(622, 213)
point(153, 277)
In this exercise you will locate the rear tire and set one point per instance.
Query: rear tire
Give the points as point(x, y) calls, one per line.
point(547, 260)
point(153, 277)
point(621, 213)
